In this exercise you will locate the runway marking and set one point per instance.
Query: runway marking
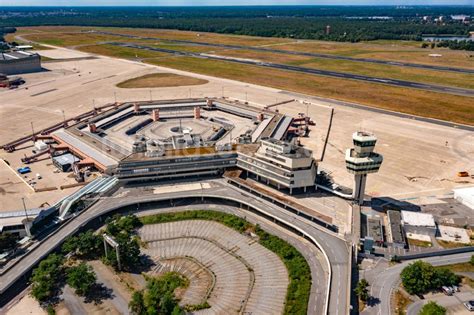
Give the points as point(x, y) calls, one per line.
point(110, 76)
point(44, 92)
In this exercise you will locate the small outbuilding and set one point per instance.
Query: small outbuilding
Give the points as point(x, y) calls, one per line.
point(65, 162)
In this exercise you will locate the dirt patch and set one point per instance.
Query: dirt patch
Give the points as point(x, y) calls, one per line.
point(155, 80)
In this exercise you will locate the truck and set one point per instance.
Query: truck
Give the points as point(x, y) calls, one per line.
point(24, 170)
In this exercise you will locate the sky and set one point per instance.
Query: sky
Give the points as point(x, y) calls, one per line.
point(220, 2)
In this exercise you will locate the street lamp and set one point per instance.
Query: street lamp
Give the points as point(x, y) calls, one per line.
point(24, 207)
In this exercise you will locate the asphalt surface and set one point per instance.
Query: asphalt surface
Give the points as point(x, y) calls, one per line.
point(387, 280)
point(340, 75)
point(299, 53)
point(335, 248)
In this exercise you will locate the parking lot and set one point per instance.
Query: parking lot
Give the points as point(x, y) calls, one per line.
point(453, 304)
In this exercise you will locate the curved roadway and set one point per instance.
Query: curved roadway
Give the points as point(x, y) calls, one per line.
point(336, 249)
point(389, 279)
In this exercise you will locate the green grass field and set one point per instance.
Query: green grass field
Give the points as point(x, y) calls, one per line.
point(423, 103)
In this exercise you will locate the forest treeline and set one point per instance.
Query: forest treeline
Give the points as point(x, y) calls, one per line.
point(351, 24)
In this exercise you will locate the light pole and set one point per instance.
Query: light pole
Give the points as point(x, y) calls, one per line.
point(151, 97)
point(24, 207)
point(32, 129)
point(115, 97)
point(64, 117)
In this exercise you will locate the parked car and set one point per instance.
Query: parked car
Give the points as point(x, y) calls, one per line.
point(24, 170)
point(447, 290)
point(469, 305)
point(455, 288)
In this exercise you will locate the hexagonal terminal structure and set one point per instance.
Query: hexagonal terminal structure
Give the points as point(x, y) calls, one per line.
point(362, 160)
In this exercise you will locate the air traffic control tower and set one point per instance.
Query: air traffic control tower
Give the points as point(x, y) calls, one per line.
point(362, 160)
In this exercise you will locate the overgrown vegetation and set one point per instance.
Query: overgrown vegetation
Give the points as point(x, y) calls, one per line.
point(86, 245)
point(122, 229)
point(401, 303)
point(421, 277)
point(7, 242)
point(158, 297)
point(298, 269)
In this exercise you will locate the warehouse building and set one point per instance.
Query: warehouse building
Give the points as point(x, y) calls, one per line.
point(395, 235)
point(16, 62)
point(465, 195)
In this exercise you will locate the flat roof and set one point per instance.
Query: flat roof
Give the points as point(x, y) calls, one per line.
point(394, 220)
point(15, 55)
point(67, 158)
point(374, 229)
point(417, 219)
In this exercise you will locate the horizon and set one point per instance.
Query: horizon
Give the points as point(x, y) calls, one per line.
point(244, 3)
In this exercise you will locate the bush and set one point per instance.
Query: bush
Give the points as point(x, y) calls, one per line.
point(431, 308)
point(124, 225)
point(158, 298)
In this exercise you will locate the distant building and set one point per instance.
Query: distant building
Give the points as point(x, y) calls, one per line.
point(395, 235)
point(16, 62)
point(465, 196)
point(328, 29)
point(418, 223)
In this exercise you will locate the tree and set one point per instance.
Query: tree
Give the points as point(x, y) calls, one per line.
point(82, 278)
point(85, 245)
point(361, 290)
point(136, 304)
point(420, 277)
point(129, 251)
point(124, 225)
point(46, 279)
point(444, 276)
point(472, 260)
point(417, 277)
point(431, 308)
point(7, 242)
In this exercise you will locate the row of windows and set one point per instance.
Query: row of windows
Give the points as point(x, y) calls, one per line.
point(364, 143)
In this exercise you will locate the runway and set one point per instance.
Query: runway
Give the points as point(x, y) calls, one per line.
point(340, 75)
point(299, 53)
